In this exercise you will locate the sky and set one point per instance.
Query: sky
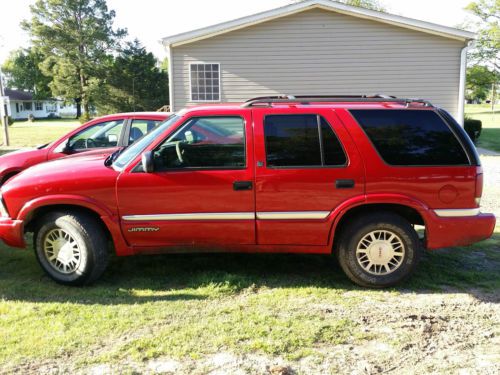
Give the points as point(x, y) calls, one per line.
point(151, 20)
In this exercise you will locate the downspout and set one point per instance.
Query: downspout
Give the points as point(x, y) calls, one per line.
point(461, 88)
point(170, 78)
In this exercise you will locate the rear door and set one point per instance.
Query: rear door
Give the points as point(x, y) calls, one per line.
point(307, 165)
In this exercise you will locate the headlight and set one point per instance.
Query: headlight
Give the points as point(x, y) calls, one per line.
point(3, 209)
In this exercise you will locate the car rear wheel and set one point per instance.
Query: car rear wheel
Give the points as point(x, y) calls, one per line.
point(71, 247)
point(379, 250)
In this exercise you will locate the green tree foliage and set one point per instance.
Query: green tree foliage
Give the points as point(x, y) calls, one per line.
point(487, 13)
point(75, 37)
point(479, 81)
point(134, 82)
point(369, 4)
point(22, 71)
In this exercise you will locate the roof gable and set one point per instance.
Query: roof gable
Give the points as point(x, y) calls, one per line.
point(404, 22)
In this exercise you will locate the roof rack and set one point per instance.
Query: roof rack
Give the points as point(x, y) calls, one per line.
point(307, 99)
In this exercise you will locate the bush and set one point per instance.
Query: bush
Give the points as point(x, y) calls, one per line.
point(31, 118)
point(84, 118)
point(10, 121)
point(473, 128)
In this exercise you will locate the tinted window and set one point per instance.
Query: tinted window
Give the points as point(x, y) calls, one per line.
point(296, 141)
point(411, 137)
point(204, 142)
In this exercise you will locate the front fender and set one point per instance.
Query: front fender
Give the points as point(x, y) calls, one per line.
point(109, 218)
point(56, 200)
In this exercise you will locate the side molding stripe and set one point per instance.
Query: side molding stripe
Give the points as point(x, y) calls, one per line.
point(292, 215)
point(297, 215)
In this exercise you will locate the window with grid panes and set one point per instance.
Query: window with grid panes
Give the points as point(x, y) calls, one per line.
point(205, 82)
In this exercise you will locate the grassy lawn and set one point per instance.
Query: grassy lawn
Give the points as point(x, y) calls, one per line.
point(31, 134)
point(186, 307)
point(490, 135)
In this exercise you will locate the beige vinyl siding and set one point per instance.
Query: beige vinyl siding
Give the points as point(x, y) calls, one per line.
point(323, 52)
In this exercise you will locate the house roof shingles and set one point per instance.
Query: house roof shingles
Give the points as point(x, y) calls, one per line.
point(18, 94)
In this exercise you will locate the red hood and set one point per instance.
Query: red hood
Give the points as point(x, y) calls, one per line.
point(85, 175)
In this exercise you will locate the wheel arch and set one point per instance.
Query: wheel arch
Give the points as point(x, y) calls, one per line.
point(35, 209)
point(412, 211)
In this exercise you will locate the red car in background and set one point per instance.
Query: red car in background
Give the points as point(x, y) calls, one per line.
point(104, 134)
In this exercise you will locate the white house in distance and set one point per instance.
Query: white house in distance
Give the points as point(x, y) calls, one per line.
point(20, 105)
point(319, 47)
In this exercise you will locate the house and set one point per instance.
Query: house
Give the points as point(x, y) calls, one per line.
point(20, 105)
point(318, 47)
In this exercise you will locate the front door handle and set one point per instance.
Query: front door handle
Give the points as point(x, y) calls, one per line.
point(242, 185)
point(344, 184)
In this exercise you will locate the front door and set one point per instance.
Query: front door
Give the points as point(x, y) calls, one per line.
point(307, 165)
point(201, 192)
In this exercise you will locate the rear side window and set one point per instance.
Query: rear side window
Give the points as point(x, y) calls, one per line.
point(301, 141)
point(411, 137)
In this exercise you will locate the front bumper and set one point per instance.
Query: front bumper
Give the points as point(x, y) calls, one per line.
point(458, 231)
point(11, 232)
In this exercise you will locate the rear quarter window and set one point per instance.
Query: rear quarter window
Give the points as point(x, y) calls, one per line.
point(411, 137)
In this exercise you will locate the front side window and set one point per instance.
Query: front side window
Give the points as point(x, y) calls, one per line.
point(301, 141)
point(102, 135)
point(204, 142)
point(27, 106)
point(411, 137)
point(205, 82)
point(38, 106)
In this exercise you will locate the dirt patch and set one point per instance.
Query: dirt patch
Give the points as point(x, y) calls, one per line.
point(404, 333)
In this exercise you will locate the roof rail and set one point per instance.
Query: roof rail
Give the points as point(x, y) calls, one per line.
point(307, 99)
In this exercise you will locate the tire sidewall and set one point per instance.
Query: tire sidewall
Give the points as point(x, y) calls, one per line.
point(410, 260)
point(64, 222)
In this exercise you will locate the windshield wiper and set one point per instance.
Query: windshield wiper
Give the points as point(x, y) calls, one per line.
point(111, 158)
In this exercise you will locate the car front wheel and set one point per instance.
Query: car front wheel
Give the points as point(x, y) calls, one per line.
point(71, 247)
point(379, 250)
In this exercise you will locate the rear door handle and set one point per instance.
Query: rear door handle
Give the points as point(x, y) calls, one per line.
point(344, 184)
point(242, 185)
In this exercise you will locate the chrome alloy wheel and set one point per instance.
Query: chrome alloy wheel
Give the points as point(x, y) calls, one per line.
point(62, 251)
point(380, 252)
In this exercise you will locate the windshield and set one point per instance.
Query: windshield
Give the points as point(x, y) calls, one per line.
point(136, 148)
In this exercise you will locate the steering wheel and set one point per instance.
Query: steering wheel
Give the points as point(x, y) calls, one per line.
point(178, 150)
point(90, 143)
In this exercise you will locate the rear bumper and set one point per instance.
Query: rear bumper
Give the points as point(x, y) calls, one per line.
point(11, 232)
point(458, 231)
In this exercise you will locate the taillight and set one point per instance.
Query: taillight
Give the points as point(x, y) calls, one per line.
point(479, 186)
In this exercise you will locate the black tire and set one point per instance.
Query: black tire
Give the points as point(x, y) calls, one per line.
point(362, 226)
point(85, 233)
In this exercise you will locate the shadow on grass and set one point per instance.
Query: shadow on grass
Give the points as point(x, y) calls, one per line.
point(184, 277)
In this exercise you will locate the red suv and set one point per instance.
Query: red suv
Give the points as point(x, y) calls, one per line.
point(352, 176)
point(103, 134)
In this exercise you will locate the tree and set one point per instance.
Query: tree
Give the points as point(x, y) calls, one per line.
point(75, 37)
point(134, 82)
point(487, 49)
point(369, 4)
point(22, 71)
point(479, 81)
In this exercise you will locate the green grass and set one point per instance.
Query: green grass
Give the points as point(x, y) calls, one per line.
point(31, 134)
point(188, 306)
point(490, 135)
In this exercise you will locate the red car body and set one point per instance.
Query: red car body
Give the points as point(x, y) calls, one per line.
point(152, 212)
point(17, 161)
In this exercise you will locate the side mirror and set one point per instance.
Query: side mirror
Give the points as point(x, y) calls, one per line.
point(148, 162)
